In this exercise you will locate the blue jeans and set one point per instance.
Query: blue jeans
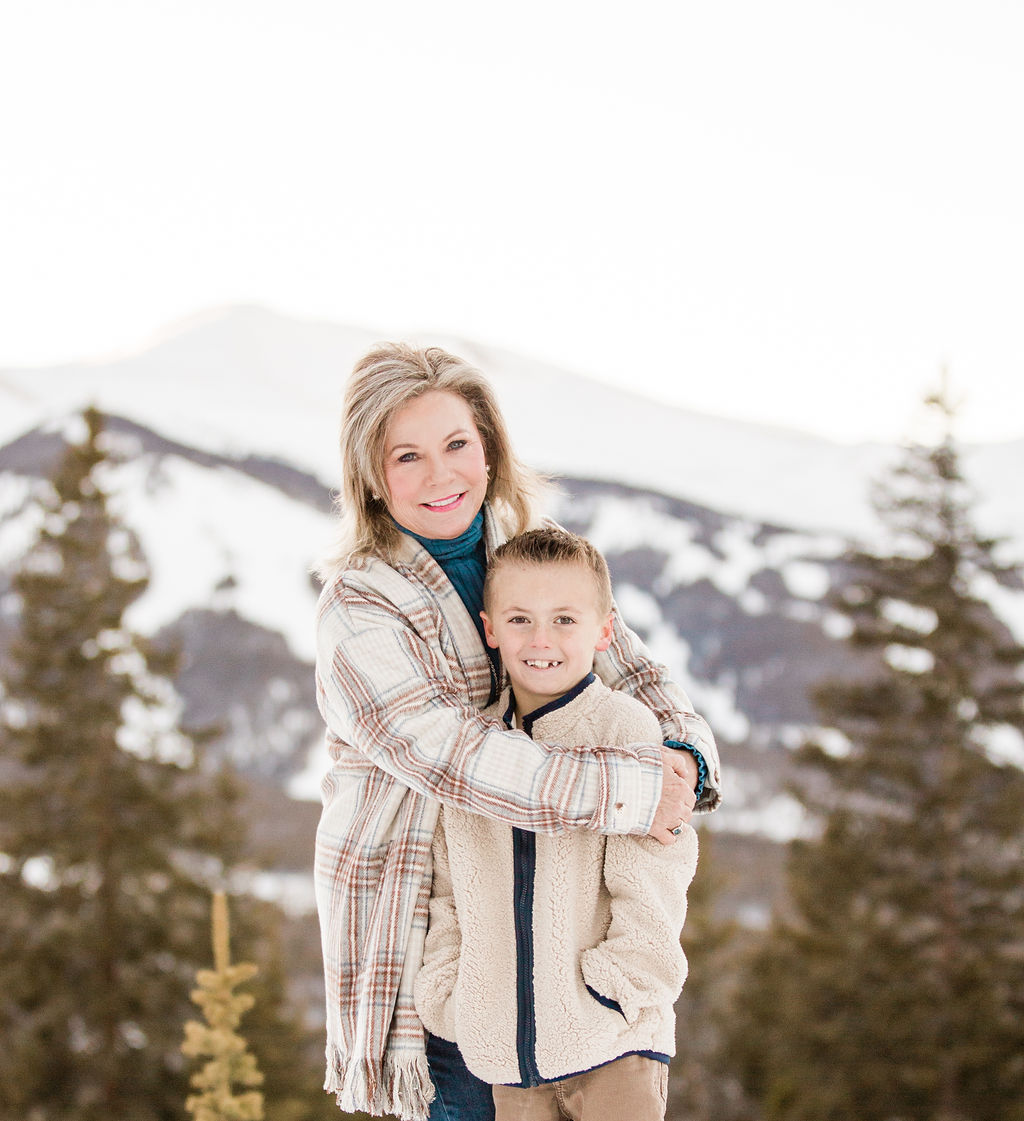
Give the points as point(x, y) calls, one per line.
point(459, 1095)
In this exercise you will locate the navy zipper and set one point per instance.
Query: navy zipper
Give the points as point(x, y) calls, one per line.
point(524, 867)
point(524, 857)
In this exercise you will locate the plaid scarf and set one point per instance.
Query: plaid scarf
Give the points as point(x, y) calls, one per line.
point(376, 1058)
point(387, 636)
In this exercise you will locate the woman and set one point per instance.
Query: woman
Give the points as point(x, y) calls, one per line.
point(430, 488)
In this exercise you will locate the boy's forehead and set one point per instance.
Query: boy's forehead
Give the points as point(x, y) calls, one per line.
point(509, 576)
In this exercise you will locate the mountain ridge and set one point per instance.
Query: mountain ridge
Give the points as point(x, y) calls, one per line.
point(244, 380)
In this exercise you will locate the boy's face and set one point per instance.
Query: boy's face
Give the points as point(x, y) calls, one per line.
point(545, 620)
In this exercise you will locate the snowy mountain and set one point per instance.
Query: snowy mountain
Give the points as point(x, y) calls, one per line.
point(245, 381)
point(722, 537)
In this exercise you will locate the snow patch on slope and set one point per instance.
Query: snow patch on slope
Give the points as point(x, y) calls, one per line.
point(218, 539)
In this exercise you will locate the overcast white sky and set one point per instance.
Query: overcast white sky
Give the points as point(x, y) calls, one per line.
point(794, 211)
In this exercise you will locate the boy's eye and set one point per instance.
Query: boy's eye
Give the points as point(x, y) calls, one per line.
point(518, 619)
point(562, 620)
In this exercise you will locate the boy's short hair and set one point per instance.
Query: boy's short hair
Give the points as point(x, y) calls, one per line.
point(551, 545)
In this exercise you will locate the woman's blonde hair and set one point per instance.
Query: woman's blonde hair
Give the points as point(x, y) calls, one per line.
point(383, 381)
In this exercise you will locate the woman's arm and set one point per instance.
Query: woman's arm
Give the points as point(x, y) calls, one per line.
point(627, 664)
point(386, 691)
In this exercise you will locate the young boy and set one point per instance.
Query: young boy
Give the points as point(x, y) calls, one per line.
point(553, 960)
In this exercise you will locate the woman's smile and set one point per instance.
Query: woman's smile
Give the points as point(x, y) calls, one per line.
point(445, 503)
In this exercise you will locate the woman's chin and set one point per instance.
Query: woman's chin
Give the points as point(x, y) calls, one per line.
point(443, 525)
point(450, 529)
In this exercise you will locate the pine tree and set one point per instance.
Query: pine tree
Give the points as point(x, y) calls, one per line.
point(230, 1065)
point(288, 1047)
point(109, 828)
point(701, 1086)
point(894, 985)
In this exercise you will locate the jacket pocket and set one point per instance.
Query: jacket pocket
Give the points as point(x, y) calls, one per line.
point(606, 1001)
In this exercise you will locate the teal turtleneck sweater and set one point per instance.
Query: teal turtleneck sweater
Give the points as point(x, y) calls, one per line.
point(463, 560)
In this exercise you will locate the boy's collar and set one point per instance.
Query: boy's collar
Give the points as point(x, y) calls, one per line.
point(527, 722)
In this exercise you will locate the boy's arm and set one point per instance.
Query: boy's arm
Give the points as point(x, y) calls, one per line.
point(436, 979)
point(640, 963)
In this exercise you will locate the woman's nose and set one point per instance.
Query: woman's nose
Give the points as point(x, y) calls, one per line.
point(438, 469)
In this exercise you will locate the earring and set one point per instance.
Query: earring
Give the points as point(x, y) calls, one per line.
point(375, 497)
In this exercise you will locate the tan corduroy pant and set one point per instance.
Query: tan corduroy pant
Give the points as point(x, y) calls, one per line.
point(632, 1088)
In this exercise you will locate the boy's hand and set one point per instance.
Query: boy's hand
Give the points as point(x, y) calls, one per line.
point(679, 779)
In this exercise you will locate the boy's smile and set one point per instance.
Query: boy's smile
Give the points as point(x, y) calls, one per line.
point(546, 622)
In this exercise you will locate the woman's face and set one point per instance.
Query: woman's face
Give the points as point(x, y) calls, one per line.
point(434, 466)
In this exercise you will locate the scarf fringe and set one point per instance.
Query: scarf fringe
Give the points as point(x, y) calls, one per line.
point(399, 1086)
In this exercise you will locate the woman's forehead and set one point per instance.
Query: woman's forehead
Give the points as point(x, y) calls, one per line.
point(430, 414)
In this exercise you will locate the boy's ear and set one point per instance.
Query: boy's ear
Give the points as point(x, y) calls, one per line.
point(488, 632)
point(604, 639)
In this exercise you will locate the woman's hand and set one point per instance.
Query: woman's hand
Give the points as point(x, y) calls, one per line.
point(679, 781)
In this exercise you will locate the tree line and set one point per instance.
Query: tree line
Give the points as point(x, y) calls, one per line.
point(889, 984)
point(115, 828)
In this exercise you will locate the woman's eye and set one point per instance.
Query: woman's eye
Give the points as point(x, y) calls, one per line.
point(457, 445)
point(407, 457)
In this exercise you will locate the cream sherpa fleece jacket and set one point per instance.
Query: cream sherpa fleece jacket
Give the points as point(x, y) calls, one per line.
point(523, 926)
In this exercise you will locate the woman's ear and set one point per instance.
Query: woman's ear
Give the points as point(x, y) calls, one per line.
point(604, 639)
point(492, 639)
